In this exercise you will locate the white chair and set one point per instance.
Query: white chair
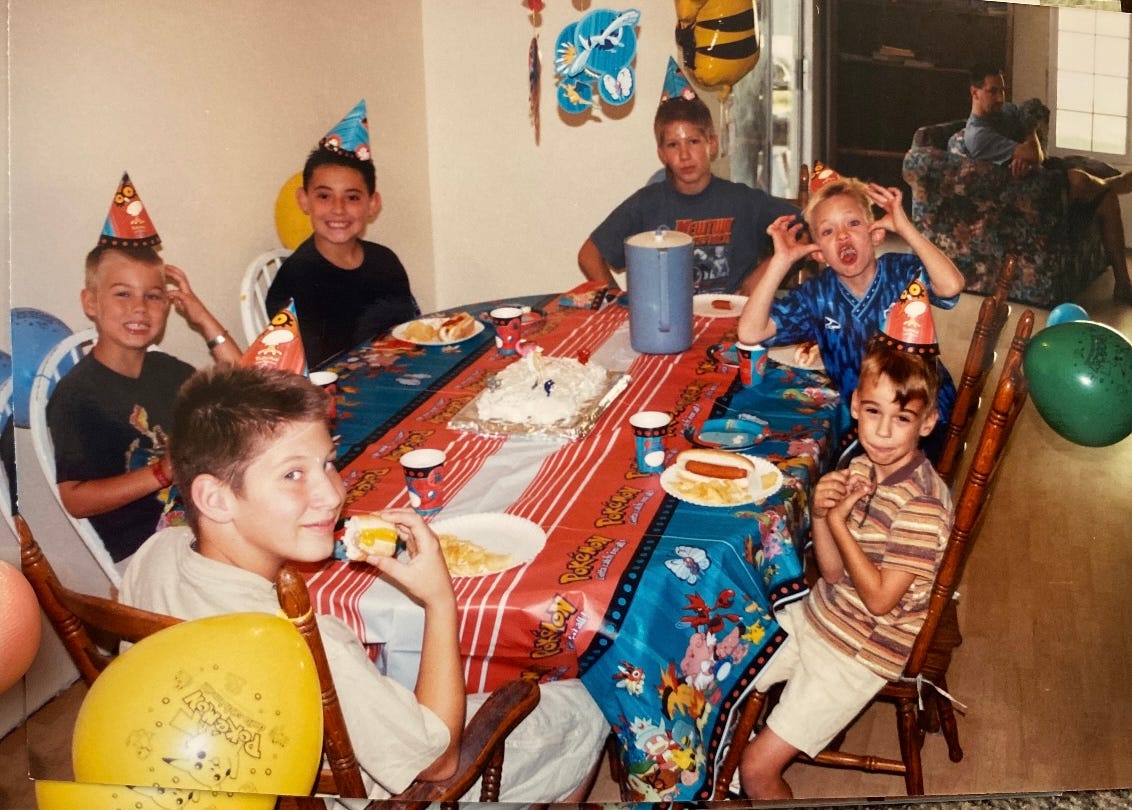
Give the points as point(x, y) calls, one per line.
point(253, 290)
point(5, 415)
point(56, 363)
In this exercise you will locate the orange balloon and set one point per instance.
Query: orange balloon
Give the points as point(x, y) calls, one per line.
point(19, 625)
point(292, 225)
point(227, 703)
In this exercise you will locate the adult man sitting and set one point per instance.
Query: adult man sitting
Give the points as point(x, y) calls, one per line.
point(1011, 135)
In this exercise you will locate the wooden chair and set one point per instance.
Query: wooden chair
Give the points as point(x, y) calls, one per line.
point(931, 652)
point(90, 628)
point(980, 357)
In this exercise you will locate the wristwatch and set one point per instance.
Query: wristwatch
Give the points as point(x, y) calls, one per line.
point(219, 340)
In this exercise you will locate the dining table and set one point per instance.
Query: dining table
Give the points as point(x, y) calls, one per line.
point(663, 606)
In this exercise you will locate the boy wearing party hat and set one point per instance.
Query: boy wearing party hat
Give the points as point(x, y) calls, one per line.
point(880, 527)
point(844, 305)
point(728, 221)
point(346, 290)
point(108, 416)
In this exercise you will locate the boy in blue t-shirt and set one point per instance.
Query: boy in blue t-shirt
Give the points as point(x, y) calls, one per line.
point(844, 305)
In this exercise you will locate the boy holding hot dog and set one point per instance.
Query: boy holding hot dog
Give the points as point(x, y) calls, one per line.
point(254, 459)
point(346, 290)
point(879, 530)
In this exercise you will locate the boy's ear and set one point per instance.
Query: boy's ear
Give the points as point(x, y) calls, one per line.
point(301, 199)
point(930, 419)
point(212, 498)
point(878, 233)
point(854, 403)
point(374, 205)
point(88, 298)
point(713, 146)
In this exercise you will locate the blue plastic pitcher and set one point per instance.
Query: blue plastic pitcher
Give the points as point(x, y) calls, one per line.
point(660, 291)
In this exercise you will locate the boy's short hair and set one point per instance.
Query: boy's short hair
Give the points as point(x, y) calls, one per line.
point(850, 186)
point(224, 417)
point(915, 377)
point(980, 70)
point(325, 157)
point(679, 110)
point(145, 254)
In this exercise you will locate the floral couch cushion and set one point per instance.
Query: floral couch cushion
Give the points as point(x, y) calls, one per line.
point(977, 213)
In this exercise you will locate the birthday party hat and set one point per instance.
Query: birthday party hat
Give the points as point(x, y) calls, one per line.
point(350, 136)
point(909, 327)
point(675, 84)
point(128, 223)
point(280, 345)
point(822, 176)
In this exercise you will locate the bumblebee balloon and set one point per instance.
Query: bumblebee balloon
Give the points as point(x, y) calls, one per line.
point(719, 40)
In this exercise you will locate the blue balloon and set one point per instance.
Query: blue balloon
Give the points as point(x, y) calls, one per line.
point(1064, 313)
point(34, 334)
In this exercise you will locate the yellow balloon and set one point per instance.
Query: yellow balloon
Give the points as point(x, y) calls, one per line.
point(51, 795)
point(292, 225)
point(227, 703)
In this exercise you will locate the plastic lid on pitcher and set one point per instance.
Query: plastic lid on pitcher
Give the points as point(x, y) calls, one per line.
point(660, 238)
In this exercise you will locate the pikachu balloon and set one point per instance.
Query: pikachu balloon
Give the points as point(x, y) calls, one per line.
point(226, 704)
point(719, 40)
point(51, 795)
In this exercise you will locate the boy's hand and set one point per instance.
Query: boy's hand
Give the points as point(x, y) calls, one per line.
point(791, 239)
point(183, 298)
point(836, 493)
point(891, 200)
point(425, 576)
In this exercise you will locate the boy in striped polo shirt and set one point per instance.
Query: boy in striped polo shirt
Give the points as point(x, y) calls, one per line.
point(879, 528)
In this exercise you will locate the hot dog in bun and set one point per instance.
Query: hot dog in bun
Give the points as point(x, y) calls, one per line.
point(459, 326)
point(707, 463)
point(368, 536)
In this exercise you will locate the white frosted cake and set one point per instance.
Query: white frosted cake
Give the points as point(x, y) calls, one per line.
point(542, 390)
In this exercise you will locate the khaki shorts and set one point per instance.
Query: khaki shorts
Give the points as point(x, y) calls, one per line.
point(825, 689)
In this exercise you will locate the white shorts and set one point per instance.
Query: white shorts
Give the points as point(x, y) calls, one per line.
point(825, 689)
point(552, 752)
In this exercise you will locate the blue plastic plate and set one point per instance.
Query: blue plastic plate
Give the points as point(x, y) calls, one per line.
point(727, 434)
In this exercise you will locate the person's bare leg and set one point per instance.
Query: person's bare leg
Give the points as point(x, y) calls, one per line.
point(764, 760)
point(1083, 187)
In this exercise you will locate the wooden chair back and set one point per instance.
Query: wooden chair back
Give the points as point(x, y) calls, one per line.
point(90, 627)
point(993, 315)
point(915, 699)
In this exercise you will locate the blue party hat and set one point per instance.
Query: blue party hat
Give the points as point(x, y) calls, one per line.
point(350, 136)
point(675, 84)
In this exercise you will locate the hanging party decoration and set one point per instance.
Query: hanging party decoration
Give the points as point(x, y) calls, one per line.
point(719, 40)
point(593, 60)
point(534, 77)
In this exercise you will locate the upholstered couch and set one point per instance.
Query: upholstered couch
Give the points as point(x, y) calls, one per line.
point(977, 213)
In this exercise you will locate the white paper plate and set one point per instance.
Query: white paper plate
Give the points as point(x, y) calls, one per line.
point(399, 332)
point(705, 305)
point(757, 494)
point(497, 533)
point(787, 356)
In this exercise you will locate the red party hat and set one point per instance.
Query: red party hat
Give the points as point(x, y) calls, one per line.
point(822, 176)
point(910, 328)
point(128, 223)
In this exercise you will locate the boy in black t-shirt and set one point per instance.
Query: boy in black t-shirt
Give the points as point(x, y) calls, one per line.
point(346, 290)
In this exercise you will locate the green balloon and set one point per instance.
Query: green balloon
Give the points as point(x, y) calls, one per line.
point(1080, 378)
